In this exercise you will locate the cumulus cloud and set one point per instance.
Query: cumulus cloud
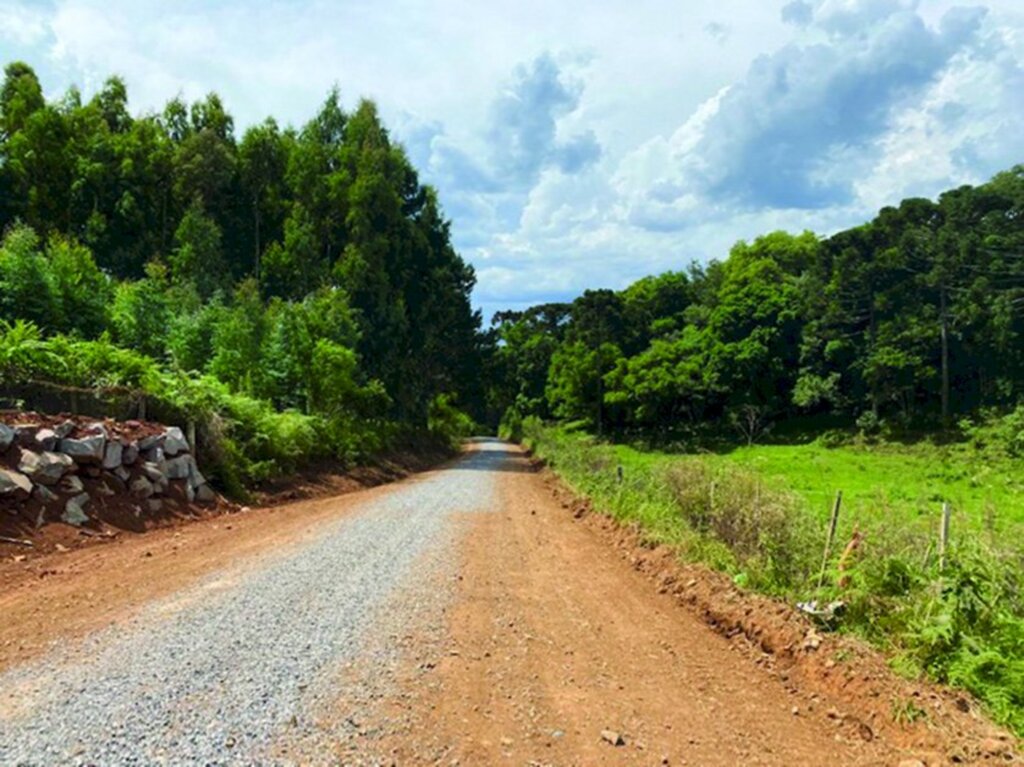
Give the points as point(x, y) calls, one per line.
point(22, 25)
point(807, 121)
point(798, 13)
point(718, 31)
point(524, 118)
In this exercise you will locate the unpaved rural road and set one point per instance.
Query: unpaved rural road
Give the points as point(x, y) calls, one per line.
point(459, 617)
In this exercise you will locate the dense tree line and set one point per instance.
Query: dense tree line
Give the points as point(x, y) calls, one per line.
point(912, 320)
point(308, 267)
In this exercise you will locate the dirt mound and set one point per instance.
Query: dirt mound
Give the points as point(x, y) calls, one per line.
point(938, 725)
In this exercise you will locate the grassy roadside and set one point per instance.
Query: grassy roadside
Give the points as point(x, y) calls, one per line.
point(747, 514)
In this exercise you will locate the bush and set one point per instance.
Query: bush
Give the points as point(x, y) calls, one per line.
point(511, 425)
point(446, 422)
point(762, 527)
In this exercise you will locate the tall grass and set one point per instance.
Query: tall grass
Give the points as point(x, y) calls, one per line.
point(961, 623)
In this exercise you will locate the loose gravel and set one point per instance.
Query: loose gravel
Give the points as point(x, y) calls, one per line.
point(229, 670)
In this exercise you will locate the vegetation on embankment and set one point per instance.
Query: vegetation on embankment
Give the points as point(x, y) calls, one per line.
point(961, 622)
point(293, 291)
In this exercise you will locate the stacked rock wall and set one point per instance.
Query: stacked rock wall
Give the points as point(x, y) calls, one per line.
point(81, 472)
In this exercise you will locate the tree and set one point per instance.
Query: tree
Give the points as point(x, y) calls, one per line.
point(198, 258)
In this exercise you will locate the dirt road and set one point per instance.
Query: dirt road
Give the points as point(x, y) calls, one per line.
point(460, 617)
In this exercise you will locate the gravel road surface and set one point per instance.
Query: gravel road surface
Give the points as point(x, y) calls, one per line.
point(464, 617)
point(246, 662)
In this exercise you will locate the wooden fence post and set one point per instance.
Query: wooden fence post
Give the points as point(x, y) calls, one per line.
point(831, 537)
point(944, 535)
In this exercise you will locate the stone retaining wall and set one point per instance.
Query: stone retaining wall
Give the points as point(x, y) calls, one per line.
point(81, 472)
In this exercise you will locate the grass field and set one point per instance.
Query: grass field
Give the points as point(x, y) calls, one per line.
point(895, 482)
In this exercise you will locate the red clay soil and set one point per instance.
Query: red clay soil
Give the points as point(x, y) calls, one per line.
point(569, 635)
point(126, 430)
point(69, 594)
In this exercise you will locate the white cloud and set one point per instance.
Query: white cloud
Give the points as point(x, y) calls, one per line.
point(21, 24)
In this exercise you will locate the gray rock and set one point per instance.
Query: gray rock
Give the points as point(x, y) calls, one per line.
point(181, 467)
point(74, 510)
point(45, 468)
point(154, 455)
point(205, 494)
point(175, 442)
point(154, 505)
point(65, 429)
point(130, 454)
point(98, 429)
point(71, 484)
point(122, 473)
point(7, 435)
point(141, 487)
point(44, 494)
point(14, 483)
point(113, 454)
point(153, 472)
point(112, 480)
point(47, 439)
point(105, 490)
point(153, 440)
point(86, 449)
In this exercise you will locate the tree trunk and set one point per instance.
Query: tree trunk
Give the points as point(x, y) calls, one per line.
point(945, 359)
point(256, 231)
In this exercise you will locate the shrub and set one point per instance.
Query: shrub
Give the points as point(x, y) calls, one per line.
point(446, 422)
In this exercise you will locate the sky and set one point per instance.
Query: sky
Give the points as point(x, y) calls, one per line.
point(586, 144)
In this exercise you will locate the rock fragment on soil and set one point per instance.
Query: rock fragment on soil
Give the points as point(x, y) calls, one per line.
point(612, 737)
point(175, 442)
point(71, 484)
point(141, 487)
point(74, 510)
point(47, 439)
point(180, 467)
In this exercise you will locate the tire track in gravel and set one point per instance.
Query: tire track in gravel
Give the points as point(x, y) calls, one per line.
point(241, 668)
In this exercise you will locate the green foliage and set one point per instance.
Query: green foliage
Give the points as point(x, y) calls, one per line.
point(447, 422)
point(330, 217)
point(141, 313)
point(197, 258)
point(296, 293)
point(913, 317)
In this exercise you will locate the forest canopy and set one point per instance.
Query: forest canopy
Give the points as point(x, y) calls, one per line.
point(306, 268)
point(911, 320)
